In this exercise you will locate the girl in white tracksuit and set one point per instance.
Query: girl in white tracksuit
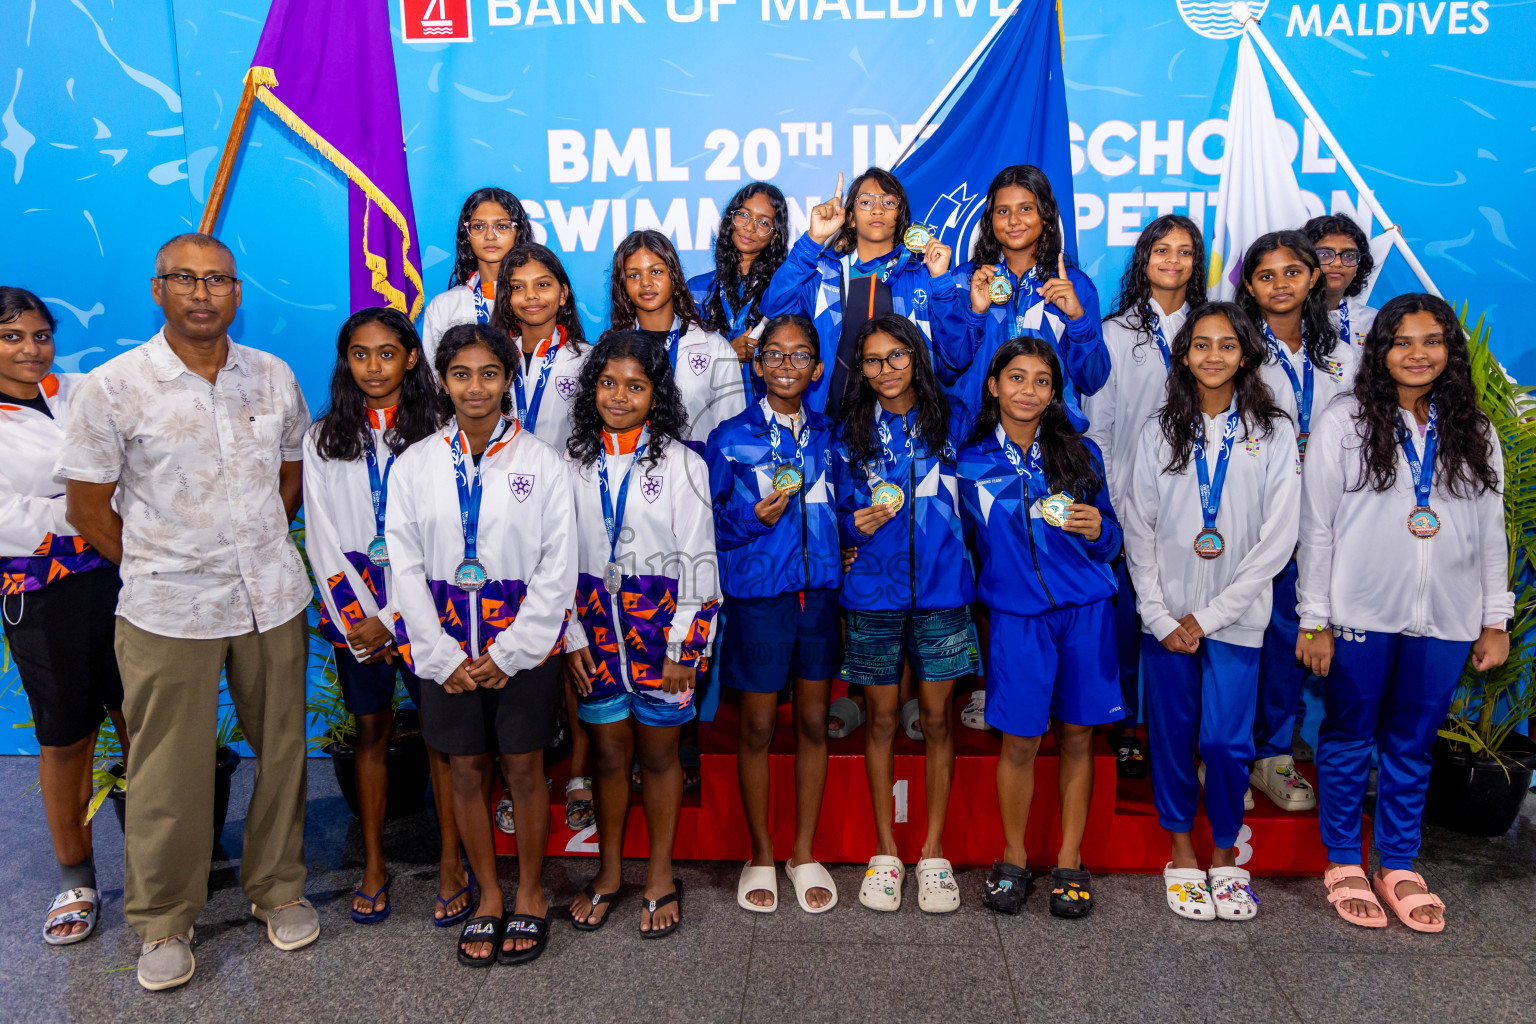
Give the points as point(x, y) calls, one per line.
point(1404, 571)
point(1210, 519)
point(491, 222)
point(537, 306)
point(1346, 274)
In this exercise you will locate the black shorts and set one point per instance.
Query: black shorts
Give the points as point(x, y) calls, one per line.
point(369, 689)
point(522, 716)
point(62, 636)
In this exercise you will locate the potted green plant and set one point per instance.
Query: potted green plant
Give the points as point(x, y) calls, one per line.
point(1482, 767)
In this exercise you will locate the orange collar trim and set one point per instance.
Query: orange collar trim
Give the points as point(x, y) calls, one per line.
point(622, 444)
point(382, 419)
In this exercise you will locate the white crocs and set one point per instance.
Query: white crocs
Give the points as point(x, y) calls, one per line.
point(1232, 892)
point(1277, 778)
point(937, 890)
point(975, 714)
point(1188, 894)
point(881, 888)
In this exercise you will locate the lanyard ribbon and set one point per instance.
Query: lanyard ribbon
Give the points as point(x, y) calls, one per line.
point(1302, 388)
point(883, 429)
point(737, 317)
point(884, 267)
point(1162, 341)
point(1210, 488)
point(1344, 323)
point(482, 308)
point(774, 435)
point(528, 411)
point(613, 517)
point(378, 483)
point(466, 477)
point(1423, 474)
point(672, 336)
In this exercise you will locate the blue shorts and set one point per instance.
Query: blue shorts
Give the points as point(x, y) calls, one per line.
point(369, 689)
point(1061, 665)
point(770, 640)
point(941, 645)
point(648, 709)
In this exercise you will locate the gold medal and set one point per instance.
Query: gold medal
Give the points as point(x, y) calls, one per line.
point(1054, 509)
point(887, 493)
point(917, 237)
point(999, 290)
point(787, 478)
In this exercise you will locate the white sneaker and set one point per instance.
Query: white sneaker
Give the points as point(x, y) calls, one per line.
point(1279, 780)
point(1232, 892)
point(1247, 793)
point(937, 890)
point(881, 888)
point(975, 714)
point(1188, 894)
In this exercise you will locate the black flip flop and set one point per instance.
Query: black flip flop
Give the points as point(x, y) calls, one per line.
point(1071, 894)
point(524, 926)
point(480, 929)
point(1007, 887)
point(598, 899)
point(675, 896)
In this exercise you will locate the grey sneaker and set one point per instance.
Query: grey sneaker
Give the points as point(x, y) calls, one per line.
point(291, 925)
point(166, 963)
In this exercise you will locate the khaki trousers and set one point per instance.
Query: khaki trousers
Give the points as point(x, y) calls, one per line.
point(170, 703)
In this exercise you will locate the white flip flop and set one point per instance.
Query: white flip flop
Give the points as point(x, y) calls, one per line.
point(1232, 894)
point(846, 710)
point(881, 888)
point(806, 877)
point(975, 714)
point(937, 890)
point(88, 915)
point(1188, 893)
point(754, 877)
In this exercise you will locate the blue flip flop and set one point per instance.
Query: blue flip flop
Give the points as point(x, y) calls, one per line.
point(375, 915)
point(452, 919)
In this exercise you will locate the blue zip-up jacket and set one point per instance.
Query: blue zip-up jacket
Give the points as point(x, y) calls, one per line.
point(801, 550)
point(918, 559)
point(1079, 343)
point(1029, 567)
point(700, 287)
point(810, 282)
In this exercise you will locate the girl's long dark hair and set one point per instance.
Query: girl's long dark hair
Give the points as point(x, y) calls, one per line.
point(464, 262)
point(343, 429)
point(16, 301)
point(847, 237)
point(860, 399)
point(521, 255)
point(1069, 464)
point(1464, 449)
point(1134, 302)
point(1317, 333)
point(668, 416)
point(461, 336)
point(1319, 227)
point(1027, 176)
point(745, 293)
point(622, 316)
point(1256, 408)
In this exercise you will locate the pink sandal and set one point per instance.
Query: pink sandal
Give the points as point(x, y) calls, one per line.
point(1404, 906)
point(1338, 894)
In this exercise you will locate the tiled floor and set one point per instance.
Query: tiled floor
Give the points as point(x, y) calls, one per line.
point(1131, 962)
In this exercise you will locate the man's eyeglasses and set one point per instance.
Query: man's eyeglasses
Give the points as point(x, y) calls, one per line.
point(186, 284)
point(899, 359)
point(868, 201)
point(1348, 257)
point(760, 225)
point(499, 227)
point(773, 358)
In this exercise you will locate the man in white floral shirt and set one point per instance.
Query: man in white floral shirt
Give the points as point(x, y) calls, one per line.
point(182, 465)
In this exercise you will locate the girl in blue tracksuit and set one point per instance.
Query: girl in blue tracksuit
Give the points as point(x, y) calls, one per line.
point(1019, 242)
point(775, 483)
point(750, 244)
point(1035, 501)
point(909, 588)
point(855, 262)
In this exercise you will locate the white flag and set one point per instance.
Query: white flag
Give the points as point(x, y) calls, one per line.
point(1259, 193)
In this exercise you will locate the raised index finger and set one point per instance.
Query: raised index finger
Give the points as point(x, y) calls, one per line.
point(837, 196)
point(1061, 265)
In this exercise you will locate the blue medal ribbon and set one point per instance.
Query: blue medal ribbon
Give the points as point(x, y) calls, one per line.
point(884, 267)
point(1344, 334)
point(378, 489)
point(672, 336)
point(736, 317)
point(1211, 484)
point(1423, 474)
point(467, 479)
point(1162, 342)
point(774, 435)
point(1301, 389)
point(482, 308)
point(613, 515)
point(528, 411)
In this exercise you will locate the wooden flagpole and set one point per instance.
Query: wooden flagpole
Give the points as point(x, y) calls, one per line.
point(227, 161)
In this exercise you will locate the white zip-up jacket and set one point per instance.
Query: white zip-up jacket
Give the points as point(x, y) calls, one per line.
point(1135, 390)
point(708, 375)
point(553, 423)
point(37, 544)
point(1360, 568)
point(1230, 595)
point(1361, 317)
point(338, 527)
point(1328, 382)
point(526, 542)
point(670, 593)
point(448, 309)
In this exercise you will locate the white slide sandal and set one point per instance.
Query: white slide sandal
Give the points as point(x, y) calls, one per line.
point(881, 888)
point(1188, 894)
point(912, 719)
point(88, 915)
point(754, 877)
point(806, 877)
point(1232, 894)
point(975, 714)
point(847, 711)
point(937, 890)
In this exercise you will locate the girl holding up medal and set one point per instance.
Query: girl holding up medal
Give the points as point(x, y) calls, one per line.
point(647, 593)
point(775, 486)
point(491, 222)
point(1164, 279)
point(1404, 572)
point(750, 244)
point(1344, 253)
point(1210, 518)
point(383, 399)
point(909, 589)
point(1036, 503)
point(481, 536)
point(649, 294)
point(1306, 367)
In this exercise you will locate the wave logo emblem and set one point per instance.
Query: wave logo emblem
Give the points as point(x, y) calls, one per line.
point(953, 218)
point(1219, 19)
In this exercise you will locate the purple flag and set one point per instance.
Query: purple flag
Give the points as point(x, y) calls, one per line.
point(326, 68)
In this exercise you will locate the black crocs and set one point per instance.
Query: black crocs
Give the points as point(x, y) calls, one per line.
point(1007, 887)
point(1130, 759)
point(1071, 894)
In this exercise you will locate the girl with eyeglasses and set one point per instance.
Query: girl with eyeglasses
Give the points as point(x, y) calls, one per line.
point(909, 589)
point(1307, 366)
point(860, 258)
point(750, 245)
point(1344, 254)
point(491, 222)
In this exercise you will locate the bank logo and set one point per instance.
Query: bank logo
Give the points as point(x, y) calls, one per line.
point(436, 21)
point(1215, 19)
